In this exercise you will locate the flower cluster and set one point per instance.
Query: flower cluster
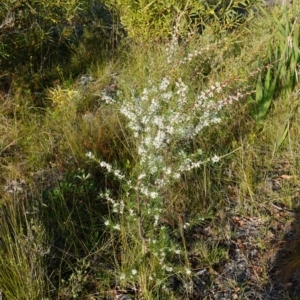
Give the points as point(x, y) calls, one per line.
point(165, 114)
point(172, 46)
point(15, 186)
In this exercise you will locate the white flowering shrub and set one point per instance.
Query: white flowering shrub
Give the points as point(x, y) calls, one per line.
point(164, 118)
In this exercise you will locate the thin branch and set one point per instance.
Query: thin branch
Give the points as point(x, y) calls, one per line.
point(139, 219)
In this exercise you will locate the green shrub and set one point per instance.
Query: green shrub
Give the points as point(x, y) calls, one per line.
point(36, 37)
point(281, 73)
point(146, 20)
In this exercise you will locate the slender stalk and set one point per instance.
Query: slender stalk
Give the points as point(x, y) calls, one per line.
point(139, 219)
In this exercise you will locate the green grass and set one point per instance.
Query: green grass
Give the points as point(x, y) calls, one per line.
point(72, 228)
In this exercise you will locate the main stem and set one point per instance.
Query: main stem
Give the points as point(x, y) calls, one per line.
point(139, 219)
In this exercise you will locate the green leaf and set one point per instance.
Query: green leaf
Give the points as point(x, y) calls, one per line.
point(283, 133)
point(267, 81)
point(259, 89)
point(264, 95)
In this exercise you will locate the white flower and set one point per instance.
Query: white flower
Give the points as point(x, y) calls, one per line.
point(215, 159)
point(134, 272)
point(145, 120)
point(188, 271)
point(147, 141)
point(90, 155)
point(154, 107)
point(218, 87)
point(156, 219)
point(105, 165)
point(122, 206)
point(117, 227)
point(177, 251)
point(159, 139)
point(176, 175)
point(141, 176)
point(106, 98)
point(166, 96)
point(162, 254)
point(108, 198)
point(115, 207)
point(164, 84)
point(153, 89)
point(144, 190)
point(153, 169)
point(186, 225)
point(169, 269)
point(168, 171)
point(216, 120)
point(141, 151)
point(145, 94)
point(153, 195)
point(210, 94)
point(159, 121)
point(106, 223)
point(122, 276)
point(118, 174)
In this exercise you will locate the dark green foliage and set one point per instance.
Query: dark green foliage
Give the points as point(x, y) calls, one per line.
point(73, 215)
point(76, 212)
point(281, 75)
point(226, 14)
point(39, 38)
point(155, 19)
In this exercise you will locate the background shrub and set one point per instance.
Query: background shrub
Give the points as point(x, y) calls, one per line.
point(146, 20)
point(39, 38)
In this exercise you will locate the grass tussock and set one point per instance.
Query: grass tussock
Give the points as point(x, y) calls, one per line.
point(165, 170)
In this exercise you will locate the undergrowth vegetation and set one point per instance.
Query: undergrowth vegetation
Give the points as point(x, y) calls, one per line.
point(129, 127)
